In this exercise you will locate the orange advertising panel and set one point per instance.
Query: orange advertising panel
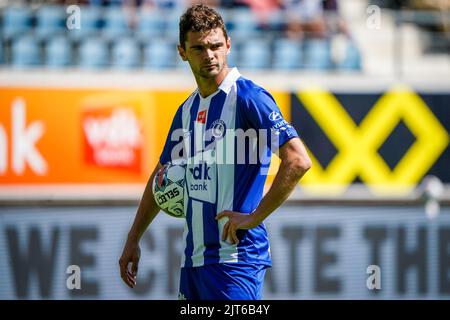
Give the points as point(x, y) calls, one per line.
point(82, 136)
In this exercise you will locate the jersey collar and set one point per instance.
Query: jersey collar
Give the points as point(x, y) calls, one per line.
point(229, 80)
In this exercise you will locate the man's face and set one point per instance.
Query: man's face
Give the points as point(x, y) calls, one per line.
point(206, 52)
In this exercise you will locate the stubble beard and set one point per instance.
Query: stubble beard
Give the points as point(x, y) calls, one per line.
point(206, 74)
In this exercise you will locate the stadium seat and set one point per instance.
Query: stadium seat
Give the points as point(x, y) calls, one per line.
point(93, 54)
point(255, 54)
point(276, 21)
point(172, 24)
point(25, 52)
point(159, 54)
point(115, 23)
point(58, 52)
point(242, 24)
point(232, 57)
point(317, 54)
point(16, 21)
point(50, 21)
point(152, 23)
point(100, 3)
point(287, 54)
point(90, 21)
point(125, 54)
point(352, 60)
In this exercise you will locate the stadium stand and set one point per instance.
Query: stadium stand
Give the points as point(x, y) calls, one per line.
point(16, 20)
point(125, 54)
point(58, 52)
point(115, 23)
point(151, 24)
point(287, 54)
point(25, 52)
point(159, 54)
point(90, 21)
point(50, 21)
point(145, 36)
point(126, 34)
point(317, 54)
point(94, 54)
point(255, 54)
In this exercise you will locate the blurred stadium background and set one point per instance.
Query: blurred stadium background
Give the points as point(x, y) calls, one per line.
point(87, 93)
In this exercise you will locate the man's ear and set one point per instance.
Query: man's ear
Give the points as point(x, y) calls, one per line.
point(228, 45)
point(182, 53)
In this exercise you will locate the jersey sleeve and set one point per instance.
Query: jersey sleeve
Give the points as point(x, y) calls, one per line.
point(174, 137)
point(263, 113)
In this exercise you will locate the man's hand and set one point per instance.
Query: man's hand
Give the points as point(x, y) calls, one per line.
point(236, 221)
point(294, 163)
point(131, 254)
point(147, 211)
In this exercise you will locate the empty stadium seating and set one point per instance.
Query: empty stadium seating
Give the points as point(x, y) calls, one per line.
point(110, 36)
point(25, 52)
point(287, 54)
point(89, 24)
point(58, 52)
point(93, 54)
point(255, 54)
point(50, 21)
point(317, 54)
point(16, 20)
point(125, 54)
point(159, 54)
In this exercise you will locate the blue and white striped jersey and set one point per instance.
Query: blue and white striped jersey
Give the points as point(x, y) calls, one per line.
point(227, 139)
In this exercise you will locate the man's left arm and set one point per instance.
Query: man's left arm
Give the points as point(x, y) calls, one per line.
point(294, 164)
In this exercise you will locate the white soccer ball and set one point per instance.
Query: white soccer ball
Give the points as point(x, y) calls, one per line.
point(169, 188)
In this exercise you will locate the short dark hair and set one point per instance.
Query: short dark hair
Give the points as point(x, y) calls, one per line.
point(200, 18)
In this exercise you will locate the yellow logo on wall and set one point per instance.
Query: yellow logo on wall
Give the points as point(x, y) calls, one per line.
point(357, 145)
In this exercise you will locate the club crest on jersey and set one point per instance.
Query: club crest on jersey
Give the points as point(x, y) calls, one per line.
point(201, 117)
point(218, 129)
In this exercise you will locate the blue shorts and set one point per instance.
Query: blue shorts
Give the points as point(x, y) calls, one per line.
point(222, 281)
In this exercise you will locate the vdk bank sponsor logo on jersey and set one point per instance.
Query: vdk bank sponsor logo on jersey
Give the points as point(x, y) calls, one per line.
point(201, 179)
point(200, 174)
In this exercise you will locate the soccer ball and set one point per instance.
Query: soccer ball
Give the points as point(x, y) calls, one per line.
point(168, 188)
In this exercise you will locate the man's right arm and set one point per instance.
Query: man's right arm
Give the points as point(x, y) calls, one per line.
point(146, 212)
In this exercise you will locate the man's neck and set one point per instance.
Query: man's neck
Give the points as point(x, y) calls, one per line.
point(206, 87)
